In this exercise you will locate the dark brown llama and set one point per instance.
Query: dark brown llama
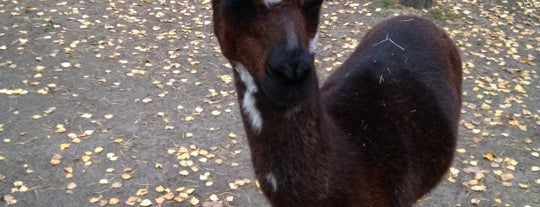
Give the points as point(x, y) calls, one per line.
point(380, 132)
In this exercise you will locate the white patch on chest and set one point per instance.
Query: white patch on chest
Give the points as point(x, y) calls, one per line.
point(249, 102)
point(269, 3)
point(271, 179)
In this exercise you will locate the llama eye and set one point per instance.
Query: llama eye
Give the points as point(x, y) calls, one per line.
point(240, 12)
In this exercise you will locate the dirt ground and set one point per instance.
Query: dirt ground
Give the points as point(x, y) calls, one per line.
point(116, 103)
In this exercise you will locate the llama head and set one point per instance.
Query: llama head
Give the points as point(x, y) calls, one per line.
point(272, 41)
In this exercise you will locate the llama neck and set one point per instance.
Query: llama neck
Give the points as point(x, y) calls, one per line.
point(288, 147)
point(291, 149)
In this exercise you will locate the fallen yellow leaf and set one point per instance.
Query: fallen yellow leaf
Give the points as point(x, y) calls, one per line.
point(132, 200)
point(523, 185)
point(145, 202)
point(138, 72)
point(479, 188)
point(490, 156)
point(168, 196)
point(19, 91)
point(506, 177)
point(98, 149)
point(114, 201)
point(60, 128)
point(194, 201)
point(64, 146)
point(40, 68)
point(141, 192)
point(56, 159)
point(71, 186)
point(179, 199)
point(475, 201)
point(160, 189)
point(68, 169)
point(226, 78)
point(214, 197)
point(519, 88)
point(160, 200)
point(126, 176)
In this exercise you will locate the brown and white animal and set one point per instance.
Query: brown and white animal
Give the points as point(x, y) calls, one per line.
point(382, 129)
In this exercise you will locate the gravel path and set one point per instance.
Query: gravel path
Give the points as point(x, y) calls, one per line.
point(115, 103)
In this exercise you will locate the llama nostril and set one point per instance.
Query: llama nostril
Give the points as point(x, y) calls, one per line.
point(293, 65)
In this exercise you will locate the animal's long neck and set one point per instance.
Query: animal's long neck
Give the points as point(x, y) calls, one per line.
point(290, 153)
point(289, 138)
point(291, 156)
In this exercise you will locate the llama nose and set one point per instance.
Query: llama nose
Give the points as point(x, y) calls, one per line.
point(292, 65)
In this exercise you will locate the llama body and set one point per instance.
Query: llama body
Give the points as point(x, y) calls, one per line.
point(381, 131)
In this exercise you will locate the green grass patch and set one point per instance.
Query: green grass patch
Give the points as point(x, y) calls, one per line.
point(390, 4)
point(441, 14)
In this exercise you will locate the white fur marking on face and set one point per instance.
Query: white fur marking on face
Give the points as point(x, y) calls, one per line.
point(271, 2)
point(248, 103)
point(271, 179)
point(313, 42)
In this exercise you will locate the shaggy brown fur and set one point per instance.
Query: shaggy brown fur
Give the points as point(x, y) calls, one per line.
point(382, 129)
